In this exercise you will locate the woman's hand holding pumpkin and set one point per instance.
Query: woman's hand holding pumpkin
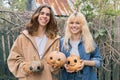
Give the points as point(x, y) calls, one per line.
point(67, 69)
point(26, 68)
point(33, 66)
point(80, 66)
point(54, 69)
point(74, 64)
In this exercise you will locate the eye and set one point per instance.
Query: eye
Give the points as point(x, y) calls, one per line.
point(75, 60)
point(68, 62)
point(41, 13)
point(47, 14)
point(71, 22)
point(77, 22)
point(51, 58)
point(59, 59)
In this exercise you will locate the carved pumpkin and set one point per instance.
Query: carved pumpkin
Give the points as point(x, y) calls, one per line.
point(56, 59)
point(73, 62)
point(34, 66)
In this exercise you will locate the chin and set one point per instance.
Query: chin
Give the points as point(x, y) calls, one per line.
point(43, 25)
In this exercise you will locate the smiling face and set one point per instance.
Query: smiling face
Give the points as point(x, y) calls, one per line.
point(44, 16)
point(73, 62)
point(56, 59)
point(75, 26)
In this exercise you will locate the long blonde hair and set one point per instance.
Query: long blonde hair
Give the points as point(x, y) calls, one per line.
point(86, 35)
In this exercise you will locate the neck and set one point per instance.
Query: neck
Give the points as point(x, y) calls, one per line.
point(75, 37)
point(41, 31)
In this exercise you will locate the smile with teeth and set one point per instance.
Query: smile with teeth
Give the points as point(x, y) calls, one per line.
point(43, 20)
point(74, 29)
point(72, 65)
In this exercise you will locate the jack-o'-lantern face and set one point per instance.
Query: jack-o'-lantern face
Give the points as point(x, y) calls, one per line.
point(56, 59)
point(73, 62)
point(36, 66)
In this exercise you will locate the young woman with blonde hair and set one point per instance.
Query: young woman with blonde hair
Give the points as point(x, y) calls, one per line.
point(79, 41)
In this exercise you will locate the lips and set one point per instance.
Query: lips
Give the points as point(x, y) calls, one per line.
point(72, 65)
point(74, 29)
point(43, 20)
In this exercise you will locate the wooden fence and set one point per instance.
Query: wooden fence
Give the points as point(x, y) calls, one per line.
point(6, 41)
point(106, 32)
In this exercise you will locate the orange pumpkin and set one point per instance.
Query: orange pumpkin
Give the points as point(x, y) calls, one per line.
point(73, 62)
point(36, 66)
point(56, 59)
point(33, 66)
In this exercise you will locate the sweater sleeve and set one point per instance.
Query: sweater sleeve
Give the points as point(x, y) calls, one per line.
point(15, 59)
point(96, 56)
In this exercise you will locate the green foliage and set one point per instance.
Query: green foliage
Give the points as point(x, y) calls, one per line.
point(91, 8)
point(18, 5)
point(14, 5)
point(77, 4)
point(100, 33)
point(111, 12)
point(88, 10)
point(0, 2)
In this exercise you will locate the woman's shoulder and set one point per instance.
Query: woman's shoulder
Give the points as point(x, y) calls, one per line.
point(61, 39)
point(22, 34)
point(95, 45)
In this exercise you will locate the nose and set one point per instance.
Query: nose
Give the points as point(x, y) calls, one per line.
point(74, 24)
point(44, 15)
point(38, 68)
point(31, 68)
point(68, 62)
point(53, 62)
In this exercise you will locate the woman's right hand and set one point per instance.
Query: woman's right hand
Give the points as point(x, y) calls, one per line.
point(80, 67)
point(67, 68)
point(33, 66)
point(26, 68)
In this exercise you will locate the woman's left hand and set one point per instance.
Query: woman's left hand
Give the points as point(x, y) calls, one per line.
point(80, 66)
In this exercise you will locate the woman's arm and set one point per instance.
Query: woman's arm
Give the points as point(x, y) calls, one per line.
point(96, 58)
point(15, 59)
point(89, 63)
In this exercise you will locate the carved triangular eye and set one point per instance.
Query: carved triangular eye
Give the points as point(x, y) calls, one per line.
point(75, 60)
point(68, 62)
point(51, 58)
point(59, 59)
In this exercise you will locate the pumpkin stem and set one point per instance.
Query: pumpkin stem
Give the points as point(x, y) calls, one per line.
point(57, 49)
point(34, 58)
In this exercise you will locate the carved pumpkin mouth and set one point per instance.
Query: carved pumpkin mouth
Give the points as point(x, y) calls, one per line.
point(72, 64)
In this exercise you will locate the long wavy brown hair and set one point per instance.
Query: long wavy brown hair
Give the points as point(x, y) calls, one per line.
point(51, 27)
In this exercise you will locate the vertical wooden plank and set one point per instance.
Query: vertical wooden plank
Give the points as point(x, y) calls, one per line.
point(115, 72)
point(8, 38)
point(116, 67)
point(6, 52)
point(8, 44)
point(1, 55)
point(117, 33)
point(101, 74)
point(107, 74)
